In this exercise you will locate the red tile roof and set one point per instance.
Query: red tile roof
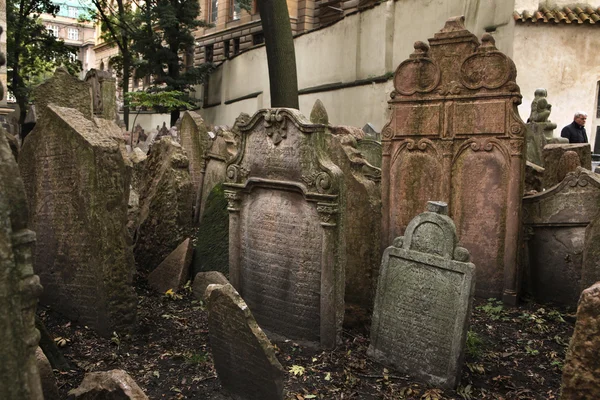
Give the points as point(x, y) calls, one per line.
point(566, 15)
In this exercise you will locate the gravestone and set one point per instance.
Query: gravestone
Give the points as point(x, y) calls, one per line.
point(455, 135)
point(540, 131)
point(581, 372)
point(286, 227)
point(64, 90)
point(104, 96)
point(562, 224)
point(19, 287)
point(77, 184)
point(371, 150)
point(363, 201)
point(203, 279)
point(173, 272)
point(560, 159)
point(244, 357)
point(195, 141)
point(165, 215)
point(108, 385)
point(423, 301)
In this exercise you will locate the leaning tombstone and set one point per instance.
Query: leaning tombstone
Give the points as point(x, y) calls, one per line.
point(371, 150)
point(286, 227)
point(455, 134)
point(77, 184)
point(581, 372)
point(64, 90)
point(19, 287)
point(244, 357)
point(563, 239)
point(165, 204)
point(423, 301)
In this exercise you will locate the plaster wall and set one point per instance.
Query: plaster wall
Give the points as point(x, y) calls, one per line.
point(363, 45)
point(147, 120)
point(565, 60)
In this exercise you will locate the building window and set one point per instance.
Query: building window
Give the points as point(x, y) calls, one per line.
point(73, 33)
point(73, 12)
point(226, 48)
point(213, 10)
point(208, 53)
point(236, 46)
point(234, 10)
point(53, 30)
point(258, 38)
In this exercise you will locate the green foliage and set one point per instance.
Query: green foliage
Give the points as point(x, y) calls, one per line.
point(32, 51)
point(196, 358)
point(493, 309)
point(166, 100)
point(474, 344)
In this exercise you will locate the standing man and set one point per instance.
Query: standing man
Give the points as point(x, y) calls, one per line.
point(575, 131)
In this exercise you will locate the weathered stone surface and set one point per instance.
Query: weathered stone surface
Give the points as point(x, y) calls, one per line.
point(174, 271)
point(534, 178)
point(423, 301)
point(196, 142)
point(244, 358)
point(165, 217)
point(318, 114)
point(455, 135)
point(562, 241)
point(363, 202)
point(540, 131)
point(223, 148)
point(212, 241)
point(560, 159)
point(204, 279)
point(581, 372)
point(287, 227)
point(371, 150)
point(77, 184)
point(64, 90)
point(104, 96)
point(19, 287)
point(109, 385)
point(46, 376)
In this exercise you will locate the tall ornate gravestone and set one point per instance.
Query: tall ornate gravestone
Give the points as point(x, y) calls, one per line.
point(286, 227)
point(77, 184)
point(562, 225)
point(455, 135)
point(540, 131)
point(423, 301)
point(19, 287)
point(195, 142)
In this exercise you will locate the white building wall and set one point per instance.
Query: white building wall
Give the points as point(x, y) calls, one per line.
point(361, 46)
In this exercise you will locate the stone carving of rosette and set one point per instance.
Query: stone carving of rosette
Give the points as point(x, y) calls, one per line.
point(418, 74)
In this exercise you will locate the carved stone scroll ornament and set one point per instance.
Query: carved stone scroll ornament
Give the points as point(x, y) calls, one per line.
point(418, 74)
point(275, 124)
point(487, 68)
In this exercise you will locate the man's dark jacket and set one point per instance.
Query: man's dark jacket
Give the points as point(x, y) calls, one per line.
point(575, 133)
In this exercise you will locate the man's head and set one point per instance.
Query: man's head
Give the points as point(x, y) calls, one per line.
point(580, 118)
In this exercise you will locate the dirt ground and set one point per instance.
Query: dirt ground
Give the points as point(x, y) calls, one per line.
point(512, 353)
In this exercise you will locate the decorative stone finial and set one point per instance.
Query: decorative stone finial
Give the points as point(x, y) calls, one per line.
point(438, 207)
point(318, 115)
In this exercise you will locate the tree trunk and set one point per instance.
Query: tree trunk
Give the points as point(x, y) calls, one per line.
point(126, 67)
point(281, 58)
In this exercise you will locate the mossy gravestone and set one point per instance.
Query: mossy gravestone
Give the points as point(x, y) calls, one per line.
point(244, 357)
point(212, 240)
point(423, 301)
point(77, 184)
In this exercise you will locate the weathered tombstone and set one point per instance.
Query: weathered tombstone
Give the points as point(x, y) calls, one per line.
point(371, 150)
point(108, 385)
point(318, 114)
point(363, 202)
point(173, 272)
point(562, 223)
point(47, 377)
point(581, 372)
point(244, 357)
point(423, 301)
point(540, 131)
point(165, 216)
point(163, 131)
point(203, 279)
point(534, 178)
point(64, 90)
point(371, 132)
point(195, 141)
point(77, 184)
point(560, 159)
point(19, 287)
point(455, 135)
point(286, 227)
point(104, 96)
point(212, 241)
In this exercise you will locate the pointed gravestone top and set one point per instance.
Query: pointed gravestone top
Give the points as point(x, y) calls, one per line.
point(318, 115)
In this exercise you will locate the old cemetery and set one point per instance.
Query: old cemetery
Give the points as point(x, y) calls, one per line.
point(286, 257)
